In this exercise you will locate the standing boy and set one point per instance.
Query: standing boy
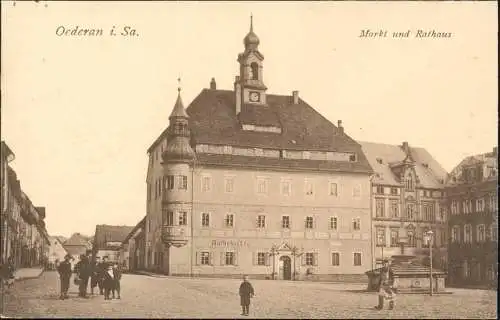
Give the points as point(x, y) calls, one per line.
point(246, 292)
point(117, 277)
point(64, 269)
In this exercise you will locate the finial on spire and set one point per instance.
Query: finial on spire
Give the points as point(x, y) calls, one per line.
point(251, 22)
point(179, 82)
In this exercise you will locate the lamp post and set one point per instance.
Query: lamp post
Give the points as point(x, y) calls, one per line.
point(296, 252)
point(274, 252)
point(429, 237)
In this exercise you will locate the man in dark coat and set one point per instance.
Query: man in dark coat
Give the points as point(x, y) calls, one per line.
point(64, 270)
point(246, 292)
point(84, 271)
point(385, 286)
point(96, 275)
point(102, 267)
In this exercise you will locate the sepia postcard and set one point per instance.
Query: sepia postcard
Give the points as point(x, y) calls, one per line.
point(300, 160)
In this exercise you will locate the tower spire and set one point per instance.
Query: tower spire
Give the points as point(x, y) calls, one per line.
point(251, 22)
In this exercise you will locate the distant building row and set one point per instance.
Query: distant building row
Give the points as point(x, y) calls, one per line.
point(24, 236)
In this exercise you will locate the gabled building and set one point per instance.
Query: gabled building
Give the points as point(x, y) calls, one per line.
point(472, 198)
point(108, 241)
point(245, 181)
point(77, 245)
point(57, 252)
point(407, 195)
point(133, 248)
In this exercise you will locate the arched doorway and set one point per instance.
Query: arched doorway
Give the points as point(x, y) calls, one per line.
point(285, 268)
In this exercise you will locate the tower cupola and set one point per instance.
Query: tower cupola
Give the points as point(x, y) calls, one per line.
point(178, 136)
point(251, 41)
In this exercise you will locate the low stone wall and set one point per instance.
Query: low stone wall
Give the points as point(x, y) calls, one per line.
point(348, 278)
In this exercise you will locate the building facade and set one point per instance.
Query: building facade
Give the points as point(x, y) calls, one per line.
point(473, 203)
point(7, 221)
point(24, 238)
point(77, 245)
point(246, 182)
point(407, 200)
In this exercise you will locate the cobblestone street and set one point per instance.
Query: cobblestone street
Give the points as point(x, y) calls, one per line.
point(155, 297)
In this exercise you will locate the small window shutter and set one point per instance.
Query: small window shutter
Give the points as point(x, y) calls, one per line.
point(303, 259)
point(236, 258)
point(305, 222)
point(257, 222)
point(315, 219)
point(254, 258)
point(330, 223)
point(211, 256)
point(315, 259)
point(198, 258)
point(268, 260)
point(222, 258)
point(331, 258)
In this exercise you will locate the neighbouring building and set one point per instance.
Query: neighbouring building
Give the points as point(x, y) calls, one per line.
point(24, 234)
point(248, 182)
point(77, 245)
point(56, 252)
point(133, 248)
point(473, 225)
point(9, 227)
point(407, 195)
point(108, 241)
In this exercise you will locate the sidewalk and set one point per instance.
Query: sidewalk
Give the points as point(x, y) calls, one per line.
point(27, 273)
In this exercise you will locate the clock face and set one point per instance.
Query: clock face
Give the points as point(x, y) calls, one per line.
point(254, 96)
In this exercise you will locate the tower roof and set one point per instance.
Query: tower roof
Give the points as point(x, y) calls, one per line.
point(251, 40)
point(178, 110)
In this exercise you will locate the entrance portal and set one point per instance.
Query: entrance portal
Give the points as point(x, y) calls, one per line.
point(286, 268)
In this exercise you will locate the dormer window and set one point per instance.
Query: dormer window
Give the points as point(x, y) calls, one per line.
point(306, 155)
point(352, 158)
point(379, 160)
point(409, 183)
point(228, 149)
point(254, 71)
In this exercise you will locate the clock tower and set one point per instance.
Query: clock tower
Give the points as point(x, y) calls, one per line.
point(249, 86)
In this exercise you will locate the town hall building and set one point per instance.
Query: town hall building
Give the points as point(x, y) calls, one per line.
point(248, 182)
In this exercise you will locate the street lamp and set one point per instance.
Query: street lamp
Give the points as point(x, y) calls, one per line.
point(274, 252)
point(296, 252)
point(429, 237)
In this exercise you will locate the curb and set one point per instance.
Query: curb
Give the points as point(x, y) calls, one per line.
point(29, 277)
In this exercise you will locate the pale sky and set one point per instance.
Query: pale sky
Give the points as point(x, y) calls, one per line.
point(80, 113)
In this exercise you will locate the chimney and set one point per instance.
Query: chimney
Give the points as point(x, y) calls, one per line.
point(213, 85)
point(295, 95)
point(339, 127)
point(237, 92)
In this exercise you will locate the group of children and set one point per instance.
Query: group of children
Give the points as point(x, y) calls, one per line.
point(111, 281)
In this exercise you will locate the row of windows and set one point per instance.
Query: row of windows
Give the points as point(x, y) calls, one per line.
point(230, 258)
point(428, 210)
point(483, 233)
point(262, 186)
point(393, 191)
point(394, 240)
point(470, 205)
point(474, 269)
point(261, 221)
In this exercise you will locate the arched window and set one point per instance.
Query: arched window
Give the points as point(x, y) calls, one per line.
point(254, 71)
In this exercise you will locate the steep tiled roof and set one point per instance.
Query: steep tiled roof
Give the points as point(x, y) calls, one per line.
point(106, 233)
point(488, 159)
point(213, 120)
point(380, 156)
point(141, 224)
point(77, 240)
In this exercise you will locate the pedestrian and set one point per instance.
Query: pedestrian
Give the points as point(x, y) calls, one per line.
point(84, 271)
point(64, 270)
point(385, 286)
point(108, 282)
point(102, 268)
point(246, 292)
point(96, 274)
point(117, 277)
